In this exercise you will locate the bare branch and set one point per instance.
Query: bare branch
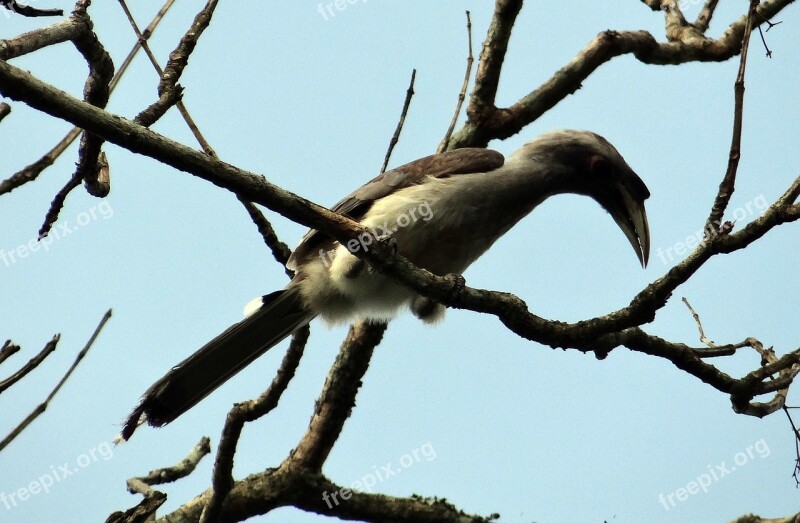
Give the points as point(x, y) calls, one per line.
point(463, 93)
point(403, 113)
point(696, 317)
point(706, 13)
point(57, 204)
point(487, 123)
point(280, 251)
point(260, 493)
point(143, 484)
point(511, 310)
point(245, 412)
point(727, 186)
point(25, 10)
point(34, 362)
point(7, 350)
point(168, 89)
point(43, 406)
point(32, 171)
point(796, 471)
point(144, 512)
point(5, 110)
point(752, 518)
point(338, 395)
point(490, 63)
point(60, 32)
point(96, 92)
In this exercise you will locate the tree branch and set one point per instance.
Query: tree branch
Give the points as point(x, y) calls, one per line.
point(488, 123)
point(728, 184)
point(43, 406)
point(403, 113)
point(25, 10)
point(32, 171)
point(463, 93)
point(245, 412)
point(143, 484)
point(583, 335)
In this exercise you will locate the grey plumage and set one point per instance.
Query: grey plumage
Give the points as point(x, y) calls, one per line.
point(444, 211)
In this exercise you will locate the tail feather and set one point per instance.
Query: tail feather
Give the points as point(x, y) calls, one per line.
point(196, 377)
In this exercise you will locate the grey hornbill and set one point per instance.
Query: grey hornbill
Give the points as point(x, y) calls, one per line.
point(470, 197)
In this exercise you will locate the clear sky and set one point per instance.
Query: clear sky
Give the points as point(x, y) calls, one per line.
point(498, 424)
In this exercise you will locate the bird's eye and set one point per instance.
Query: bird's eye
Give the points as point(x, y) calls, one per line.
point(599, 165)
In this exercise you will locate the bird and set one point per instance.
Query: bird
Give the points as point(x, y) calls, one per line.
point(441, 212)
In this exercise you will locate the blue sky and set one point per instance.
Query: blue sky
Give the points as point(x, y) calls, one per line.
point(497, 424)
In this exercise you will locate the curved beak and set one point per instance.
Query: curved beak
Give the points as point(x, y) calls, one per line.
point(630, 215)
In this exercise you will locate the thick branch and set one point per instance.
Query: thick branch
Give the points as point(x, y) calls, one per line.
point(338, 395)
point(263, 492)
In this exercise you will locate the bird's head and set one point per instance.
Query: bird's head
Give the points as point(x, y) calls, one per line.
point(583, 162)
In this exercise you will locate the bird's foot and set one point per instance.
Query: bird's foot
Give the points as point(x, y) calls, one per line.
point(458, 284)
point(391, 246)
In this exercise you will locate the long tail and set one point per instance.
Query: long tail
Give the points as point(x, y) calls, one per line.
point(220, 359)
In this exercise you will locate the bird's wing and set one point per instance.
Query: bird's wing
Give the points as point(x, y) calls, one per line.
point(356, 204)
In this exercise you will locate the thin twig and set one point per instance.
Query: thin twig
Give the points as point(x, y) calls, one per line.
point(34, 362)
point(8, 350)
point(43, 406)
point(57, 204)
point(463, 93)
point(403, 113)
point(703, 338)
point(770, 25)
point(199, 25)
point(796, 472)
point(728, 183)
point(280, 251)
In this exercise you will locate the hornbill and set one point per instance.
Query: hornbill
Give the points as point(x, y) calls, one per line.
point(443, 212)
